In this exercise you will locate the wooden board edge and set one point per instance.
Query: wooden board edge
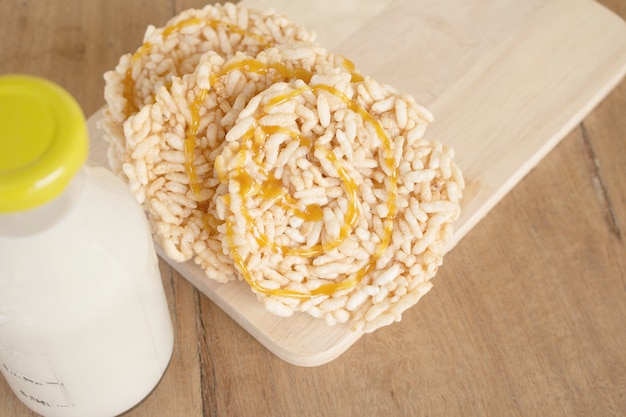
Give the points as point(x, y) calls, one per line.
point(611, 78)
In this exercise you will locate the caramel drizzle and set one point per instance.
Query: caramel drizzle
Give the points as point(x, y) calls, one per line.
point(146, 48)
point(279, 72)
point(271, 189)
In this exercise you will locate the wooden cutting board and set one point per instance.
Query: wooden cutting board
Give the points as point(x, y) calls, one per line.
point(506, 80)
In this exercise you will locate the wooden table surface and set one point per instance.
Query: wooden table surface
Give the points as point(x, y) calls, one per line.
point(528, 313)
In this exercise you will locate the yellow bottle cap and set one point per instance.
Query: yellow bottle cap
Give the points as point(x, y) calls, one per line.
point(43, 141)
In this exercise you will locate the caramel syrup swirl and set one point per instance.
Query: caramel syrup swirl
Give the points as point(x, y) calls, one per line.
point(129, 83)
point(272, 189)
point(275, 70)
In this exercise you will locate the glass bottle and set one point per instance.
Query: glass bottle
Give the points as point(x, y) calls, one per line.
point(84, 324)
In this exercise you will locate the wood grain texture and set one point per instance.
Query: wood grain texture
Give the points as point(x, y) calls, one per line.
point(528, 313)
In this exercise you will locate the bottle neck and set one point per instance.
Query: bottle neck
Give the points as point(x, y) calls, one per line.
point(42, 218)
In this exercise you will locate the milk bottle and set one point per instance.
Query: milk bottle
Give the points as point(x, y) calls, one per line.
point(84, 325)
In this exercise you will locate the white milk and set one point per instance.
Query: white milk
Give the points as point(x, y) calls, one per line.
point(84, 325)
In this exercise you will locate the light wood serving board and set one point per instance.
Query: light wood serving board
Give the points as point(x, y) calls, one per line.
point(506, 80)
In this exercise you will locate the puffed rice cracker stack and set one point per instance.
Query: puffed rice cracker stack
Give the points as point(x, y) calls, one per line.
point(278, 163)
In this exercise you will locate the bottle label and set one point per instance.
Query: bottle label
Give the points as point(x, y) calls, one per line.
point(26, 368)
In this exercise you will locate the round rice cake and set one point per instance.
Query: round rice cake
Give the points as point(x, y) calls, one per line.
point(333, 204)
